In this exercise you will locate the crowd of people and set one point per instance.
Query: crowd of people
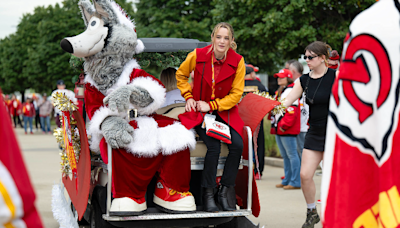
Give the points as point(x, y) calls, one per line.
point(35, 111)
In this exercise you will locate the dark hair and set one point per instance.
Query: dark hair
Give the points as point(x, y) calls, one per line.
point(320, 48)
point(168, 78)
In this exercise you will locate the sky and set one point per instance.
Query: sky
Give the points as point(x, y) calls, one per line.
point(11, 12)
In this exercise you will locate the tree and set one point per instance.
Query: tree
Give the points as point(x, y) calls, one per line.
point(47, 62)
point(269, 32)
point(32, 57)
point(178, 19)
point(11, 65)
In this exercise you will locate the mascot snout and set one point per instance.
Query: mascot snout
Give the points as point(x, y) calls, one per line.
point(66, 46)
point(89, 42)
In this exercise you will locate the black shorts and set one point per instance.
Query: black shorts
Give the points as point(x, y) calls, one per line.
point(315, 138)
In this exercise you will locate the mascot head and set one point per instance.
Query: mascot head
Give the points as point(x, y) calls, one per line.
point(109, 31)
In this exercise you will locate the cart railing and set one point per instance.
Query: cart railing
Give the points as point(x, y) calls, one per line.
point(197, 214)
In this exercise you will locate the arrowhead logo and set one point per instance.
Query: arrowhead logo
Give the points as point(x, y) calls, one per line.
point(364, 95)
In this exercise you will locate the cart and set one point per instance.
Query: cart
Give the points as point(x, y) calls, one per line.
point(91, 193)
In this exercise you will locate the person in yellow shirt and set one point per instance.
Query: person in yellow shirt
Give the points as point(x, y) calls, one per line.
point(218, 86)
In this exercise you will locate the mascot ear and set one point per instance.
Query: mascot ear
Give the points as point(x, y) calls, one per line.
point(139, 47)
point(87, 10)
point(100, 10)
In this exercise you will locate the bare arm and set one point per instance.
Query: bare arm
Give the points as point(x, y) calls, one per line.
point(294, 94)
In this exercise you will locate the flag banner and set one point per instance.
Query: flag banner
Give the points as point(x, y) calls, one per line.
point(75, 155)
point(361, 175)
point(17, 197)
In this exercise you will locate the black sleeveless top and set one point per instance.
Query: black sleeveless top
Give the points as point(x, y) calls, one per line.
point(317, 97)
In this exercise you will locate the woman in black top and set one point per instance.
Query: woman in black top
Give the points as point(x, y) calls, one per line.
point(317, 86)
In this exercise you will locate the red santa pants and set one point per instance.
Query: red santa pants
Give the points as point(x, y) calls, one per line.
point(132, 174)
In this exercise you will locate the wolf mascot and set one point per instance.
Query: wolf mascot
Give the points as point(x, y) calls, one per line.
point(146, 145)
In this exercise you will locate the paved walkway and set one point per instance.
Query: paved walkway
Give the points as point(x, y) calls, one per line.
point(279, 208)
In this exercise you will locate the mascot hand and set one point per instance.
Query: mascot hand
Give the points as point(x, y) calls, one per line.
point(125, 95)
point(140, 97)
point(117, 132)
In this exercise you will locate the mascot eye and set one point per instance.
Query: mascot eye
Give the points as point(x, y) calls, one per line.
point(94, 23)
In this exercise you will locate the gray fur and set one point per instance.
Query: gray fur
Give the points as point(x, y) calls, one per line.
point(87, 10)
point(120, 98)
point(140, 97)
point(117, 132)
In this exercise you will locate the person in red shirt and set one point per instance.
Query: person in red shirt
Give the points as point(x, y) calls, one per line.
point(28, 110)
point(287, 127)
point(15, 110)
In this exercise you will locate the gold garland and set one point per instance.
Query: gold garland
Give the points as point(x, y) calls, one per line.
point(279, 109)
point(63, 103)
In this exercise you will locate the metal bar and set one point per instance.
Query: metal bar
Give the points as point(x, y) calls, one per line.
point(109, 167)
point(197, 214)
point(250, 162)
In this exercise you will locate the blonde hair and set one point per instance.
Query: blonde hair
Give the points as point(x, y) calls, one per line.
point(320, 48)
point(231, 36)
point(168, 78)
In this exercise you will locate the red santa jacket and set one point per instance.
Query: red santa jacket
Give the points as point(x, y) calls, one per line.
point(290, 121)
point(153, 133)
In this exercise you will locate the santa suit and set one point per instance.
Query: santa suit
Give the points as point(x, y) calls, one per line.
point(160, 144)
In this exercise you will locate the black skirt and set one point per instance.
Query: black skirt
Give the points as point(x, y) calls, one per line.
point(315, 138)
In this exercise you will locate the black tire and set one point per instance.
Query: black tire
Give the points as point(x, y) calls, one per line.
point(239, 222)
point(231, 224)
point(96, 213)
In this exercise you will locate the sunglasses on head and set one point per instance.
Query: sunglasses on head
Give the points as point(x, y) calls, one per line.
point(309, 57)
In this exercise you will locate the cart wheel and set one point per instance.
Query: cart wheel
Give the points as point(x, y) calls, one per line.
point(96, 214)
point(236, 222)
point(231, 224)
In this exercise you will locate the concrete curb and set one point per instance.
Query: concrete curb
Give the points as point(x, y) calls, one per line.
point(277, 162)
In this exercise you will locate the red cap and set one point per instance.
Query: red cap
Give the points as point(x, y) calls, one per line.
point(256, 69)
point(284, 73)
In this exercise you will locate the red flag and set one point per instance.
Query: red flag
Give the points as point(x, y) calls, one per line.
point(361, 176)
point(17, 196)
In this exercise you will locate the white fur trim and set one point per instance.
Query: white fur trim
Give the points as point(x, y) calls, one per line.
point(122, 16)
point(94, 126)
point(145, 140)
point(157, 92)
point(176, 137)
point(89, 79)
point(123, 79)
point(149, 140)
point(125, 76)
point(62, 208)
point(139, 47)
